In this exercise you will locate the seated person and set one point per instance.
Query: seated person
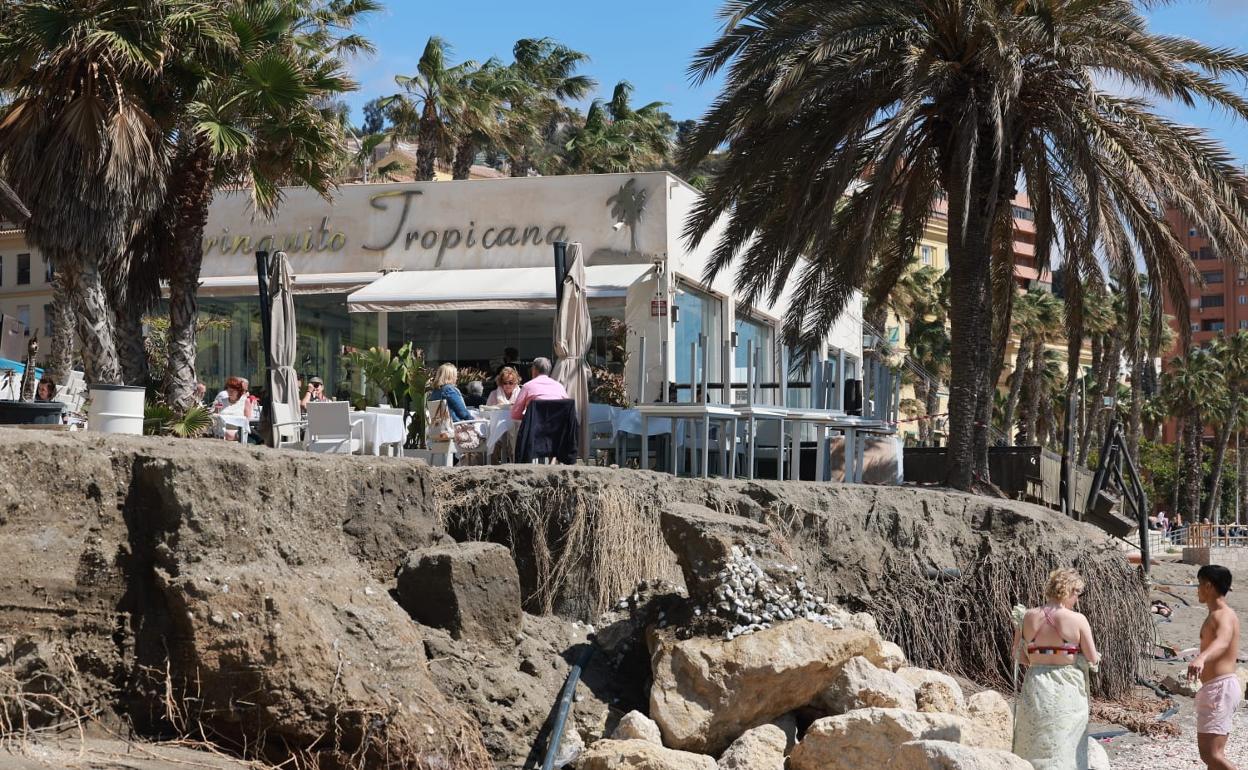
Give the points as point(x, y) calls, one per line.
point(46, 389)
point(444, 389)
point(201, 391)
point(540, 387)
point(237, 401)
point(511, 360)
point(507, 387)
point(475, 397)
point(316, 392)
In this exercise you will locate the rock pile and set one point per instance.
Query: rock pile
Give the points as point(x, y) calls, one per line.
point(734, 697)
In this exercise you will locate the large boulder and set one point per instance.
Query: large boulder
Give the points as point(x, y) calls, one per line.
point(706, 692)
point(640, 755)
point(703, 541)
point(759, 749)
point(992, 721)
point(859, 684)
point(944, 755)
point(470, 589)
point(869, 738)
point(934, 691)
point(891, 657)
point(636, 726)
point(1098, 758)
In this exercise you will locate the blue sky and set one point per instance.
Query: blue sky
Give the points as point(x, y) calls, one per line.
point(650, 43)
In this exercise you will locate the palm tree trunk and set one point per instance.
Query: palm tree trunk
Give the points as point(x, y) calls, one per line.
point(190, 202)
point(933, 404)
point(1241, 453)
point(1134, 422)
point(464, 155)
point(61, 351)
point(1092, 398)
point(1194, 476)
point(1035, 384)
point(1213, 506)
point(427, 149)
point(1021, 360)
point(968, 295)
point(130, 343)
point(81, 281)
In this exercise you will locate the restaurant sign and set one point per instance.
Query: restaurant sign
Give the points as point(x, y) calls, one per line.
point(399, 226)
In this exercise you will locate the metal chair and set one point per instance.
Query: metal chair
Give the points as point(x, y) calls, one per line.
point(330, 428)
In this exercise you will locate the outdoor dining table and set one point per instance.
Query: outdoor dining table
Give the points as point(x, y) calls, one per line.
point(500, 424)
point(240, 422)
point(702, 414)
point(851, 426)
point(380, 429)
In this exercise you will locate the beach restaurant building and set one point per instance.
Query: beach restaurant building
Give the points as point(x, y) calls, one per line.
point(465, 271)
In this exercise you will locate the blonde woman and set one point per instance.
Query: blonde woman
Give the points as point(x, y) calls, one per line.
point(444, 389)
point(508, 382)
point(1055, 643)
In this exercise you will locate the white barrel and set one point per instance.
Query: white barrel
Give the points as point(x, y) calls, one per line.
point(116, 409)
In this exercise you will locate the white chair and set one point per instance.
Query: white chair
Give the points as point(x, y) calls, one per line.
point(393, 448)
point(330, 428)
point(445, 451)
point(288, 427)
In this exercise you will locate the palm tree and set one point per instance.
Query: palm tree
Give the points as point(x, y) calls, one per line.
point(11, 206)
point(252, 118)
point(479, 113)
point(837, 117)
point(628, 205)
point(1024, 314)
point(1046, 327)
point(78, 145)
point(1193, 382)
point(422, 111)
point(617, 138)
point(1231, 353)
point(536, 116)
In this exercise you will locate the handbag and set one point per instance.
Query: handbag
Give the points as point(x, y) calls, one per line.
point(466, 435)
point(441, 429)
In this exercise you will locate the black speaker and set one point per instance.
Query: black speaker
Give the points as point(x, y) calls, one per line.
point(853, 397)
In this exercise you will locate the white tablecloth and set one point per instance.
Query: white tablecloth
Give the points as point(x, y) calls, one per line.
point(500, 424)
point(380, 429)
point(239, 422)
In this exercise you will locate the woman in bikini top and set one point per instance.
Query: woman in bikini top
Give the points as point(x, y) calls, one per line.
point(1065, 648)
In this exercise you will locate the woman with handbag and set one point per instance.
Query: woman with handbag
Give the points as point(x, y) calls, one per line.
point(444, 389)
point(450, 421)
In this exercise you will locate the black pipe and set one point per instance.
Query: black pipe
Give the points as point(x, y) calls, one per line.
point(266, 327)
point(561, 271)
point(565, 706)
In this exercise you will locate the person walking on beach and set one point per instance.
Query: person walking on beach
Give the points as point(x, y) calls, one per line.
point(1055, 643)
point(1215, 666)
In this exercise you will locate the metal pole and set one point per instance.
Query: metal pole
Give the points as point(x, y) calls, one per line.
point(641, 371)
point(693, 372)
point(1238, 483)
point(703, 343)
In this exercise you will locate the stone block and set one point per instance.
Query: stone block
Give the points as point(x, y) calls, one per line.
point(470, 589)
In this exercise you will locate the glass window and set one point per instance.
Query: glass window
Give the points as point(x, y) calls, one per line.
point(1207, 253)
point(47, 321)
point(23, 269)
point(1243, 299)
point(1195, 327)
point(230, 344)
point(1213, 326)
point(1212, 276)
point(23, 317)
point(1211, 300)
point(800, 379)
point(752, 335)
point(48, 272)
point(927, 253)
point(1243, 324)
point(1, 270)
point(699, 314)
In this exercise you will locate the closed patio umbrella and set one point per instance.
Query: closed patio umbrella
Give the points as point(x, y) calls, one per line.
point(283, 383)
point(573, 336)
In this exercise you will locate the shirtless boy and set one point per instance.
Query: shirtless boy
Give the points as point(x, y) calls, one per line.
point(1215, 665)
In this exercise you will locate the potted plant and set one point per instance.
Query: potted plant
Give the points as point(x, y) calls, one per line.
point(402, 379)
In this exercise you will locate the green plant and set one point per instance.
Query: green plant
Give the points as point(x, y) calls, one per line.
point(403, 378)
point(159, 419)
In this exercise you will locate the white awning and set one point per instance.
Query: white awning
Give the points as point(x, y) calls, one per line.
point(512, 288)
point(305, 283)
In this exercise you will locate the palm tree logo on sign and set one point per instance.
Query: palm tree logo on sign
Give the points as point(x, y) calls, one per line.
point(628, 206)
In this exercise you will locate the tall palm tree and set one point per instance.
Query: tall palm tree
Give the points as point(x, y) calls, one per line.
point(837, 116)
point(1025, 312)
point(1046, 328)
point(479, 114)
point(422, 111)
point(615, 137)
point(1193, 382)
point(1231, 354)
point(253, 118)
point(78, 145)
point(537, 115)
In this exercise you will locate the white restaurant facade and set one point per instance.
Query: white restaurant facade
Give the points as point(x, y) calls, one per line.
point(465, 270)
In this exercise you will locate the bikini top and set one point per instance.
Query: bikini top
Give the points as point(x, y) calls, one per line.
point(1065, 648)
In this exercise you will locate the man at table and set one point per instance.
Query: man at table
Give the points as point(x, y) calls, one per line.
point(540, 387)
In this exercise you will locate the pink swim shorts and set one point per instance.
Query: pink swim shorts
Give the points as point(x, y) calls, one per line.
point(1216, 704)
